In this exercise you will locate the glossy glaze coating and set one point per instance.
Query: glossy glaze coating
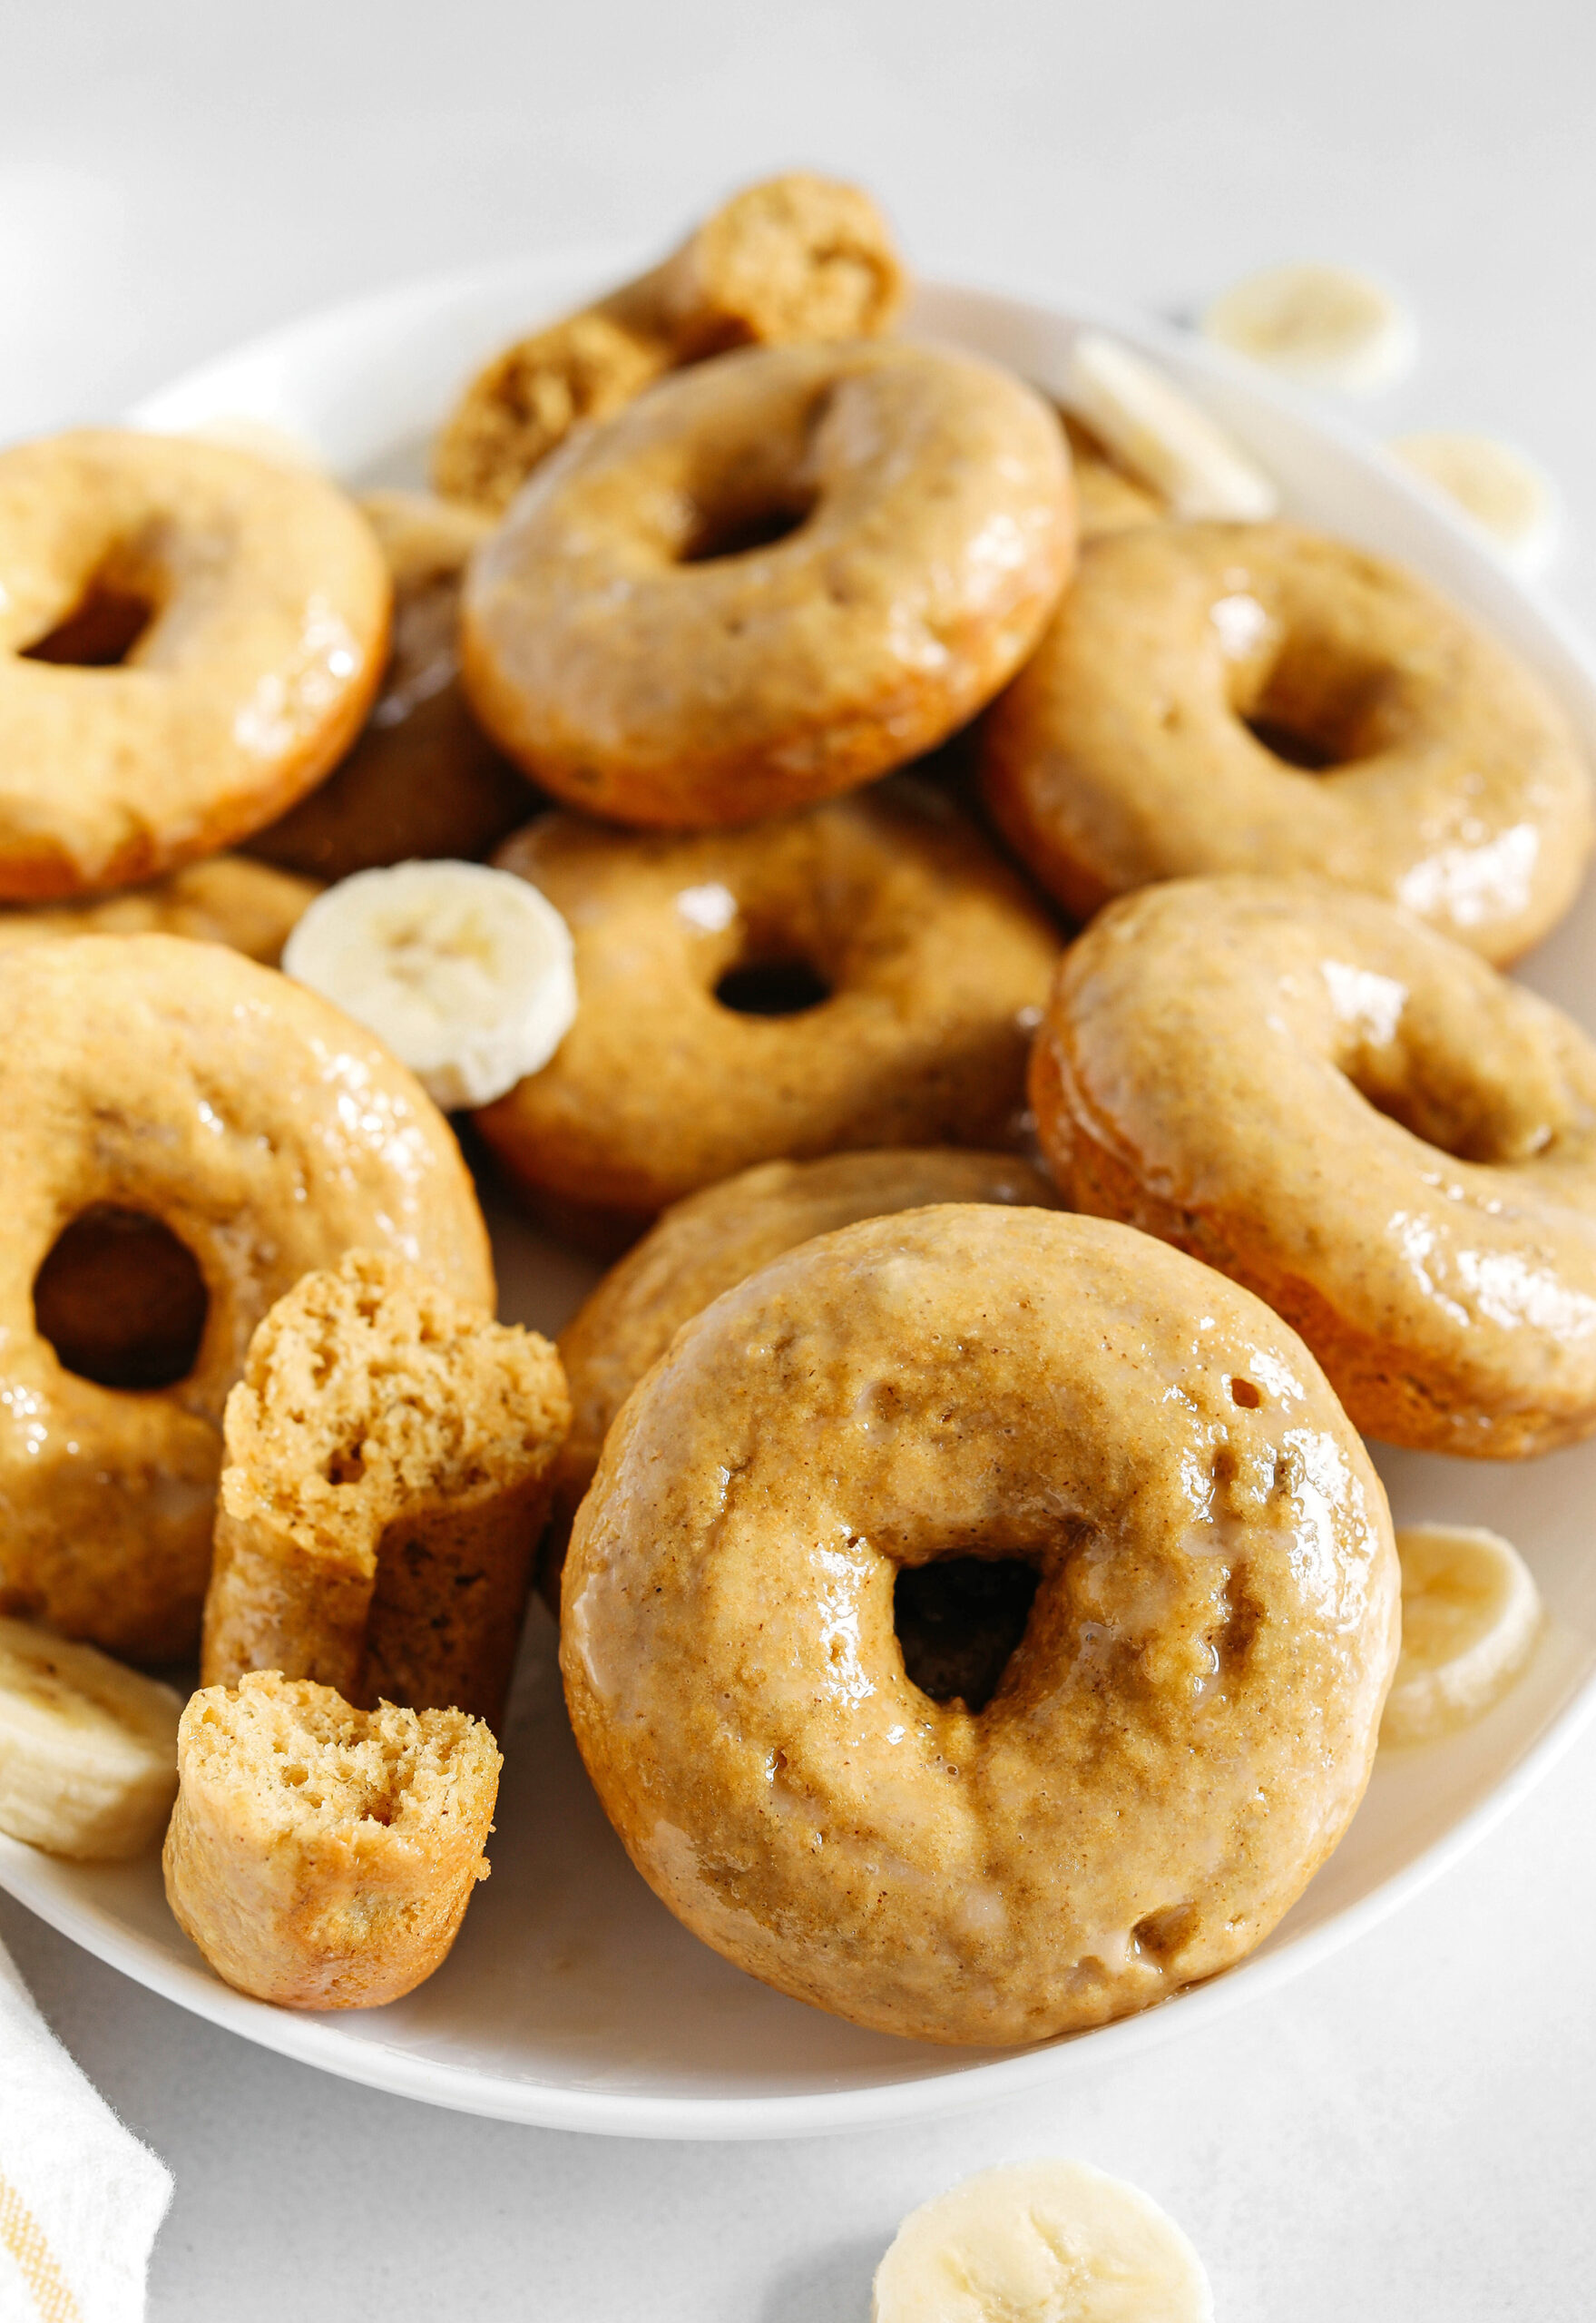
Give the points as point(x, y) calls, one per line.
point(422, 779)
point(635, 661)
point(268, 603)
point(712, 1240)
point(1186, 1726)
point(1361, 1120)
point(796, 257)
point(937, 958)
point(270, 1135)
point(1122, 753)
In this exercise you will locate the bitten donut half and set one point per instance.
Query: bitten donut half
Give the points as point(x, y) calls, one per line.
point(980, 1622)
point(320, 1856)
point(796, 257)
point(389, 1456)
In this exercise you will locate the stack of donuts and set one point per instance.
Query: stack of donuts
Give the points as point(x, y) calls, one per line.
point(1039, 1065)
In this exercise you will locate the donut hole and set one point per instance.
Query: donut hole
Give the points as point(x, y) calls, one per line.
point(1312, 709)
point(1444, 1110)
point(958, 1621)
point(122, 1300)
point(721, 532)
point(1292, 748)
point(772, 987)
point(101, 629)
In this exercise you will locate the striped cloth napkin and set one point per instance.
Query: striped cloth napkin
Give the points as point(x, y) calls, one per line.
point(80, 2198)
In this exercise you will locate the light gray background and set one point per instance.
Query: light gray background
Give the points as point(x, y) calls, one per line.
point(1407, 2132)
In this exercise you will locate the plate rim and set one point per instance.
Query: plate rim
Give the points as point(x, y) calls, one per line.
point(35, 1880)
point(315, 2040)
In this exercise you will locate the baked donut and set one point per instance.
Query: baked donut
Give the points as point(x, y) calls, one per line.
point(865, 973)
point(1196, 674)
point(1361, 1121)
point(322, 1856)
point(774, 576)
point(422, 779)
point(389, 1451)
point(712, 1240)
point(1195, 1560)
point(188, 1098)
point(189, 637)
point(795, 257)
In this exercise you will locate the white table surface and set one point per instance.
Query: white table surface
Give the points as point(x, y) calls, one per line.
point(1406, 2133)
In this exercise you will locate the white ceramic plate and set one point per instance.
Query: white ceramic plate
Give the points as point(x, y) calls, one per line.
point(573, 1999)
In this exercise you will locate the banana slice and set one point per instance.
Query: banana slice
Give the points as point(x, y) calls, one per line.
point(465, 973)
point(1160, 436)
point(1325, 326)
point(1471, 1614)
point(1513, 500)
point(88, 1750)
point(1041, 2242)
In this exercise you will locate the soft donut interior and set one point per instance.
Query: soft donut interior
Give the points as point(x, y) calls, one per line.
point(121, 1299)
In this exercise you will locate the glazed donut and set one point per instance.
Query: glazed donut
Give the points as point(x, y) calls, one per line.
point(712, 1240)
point(1144, 740)
point(796, 257)
point(147, 1084)
point(248, 906)
point(422, 779)
point(1361, 1121)
point(917, 963)
point(247, 605)
point(1200, 1648)
point(771, 578)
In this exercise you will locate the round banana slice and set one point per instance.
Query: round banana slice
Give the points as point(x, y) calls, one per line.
point(1505, 493)
point(1041, 2242)
point(1160, 436)
point(88, 1748)
point(465, 973)
point(1471, 1613)
point(1326, 326)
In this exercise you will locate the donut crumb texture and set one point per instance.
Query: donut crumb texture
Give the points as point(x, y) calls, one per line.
point(322, 1855)
point(389, 1455)
point(796, 257)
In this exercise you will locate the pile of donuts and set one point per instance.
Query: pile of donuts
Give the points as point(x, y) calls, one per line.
point(1037, 1055)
